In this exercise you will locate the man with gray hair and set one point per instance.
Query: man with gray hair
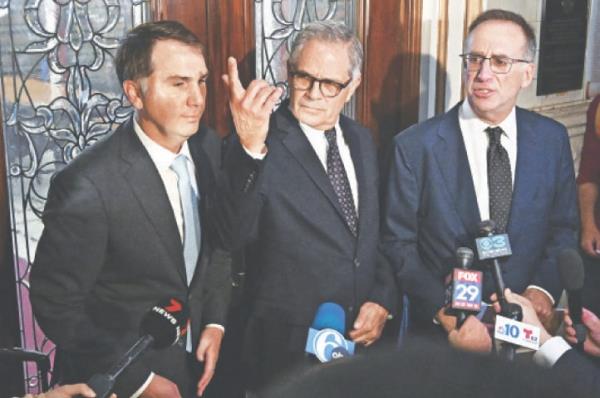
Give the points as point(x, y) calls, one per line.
point(485, 159)
point(307, 180)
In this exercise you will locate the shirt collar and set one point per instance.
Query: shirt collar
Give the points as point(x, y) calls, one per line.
point(308, 130)
point(508, 125)
point(162, 157)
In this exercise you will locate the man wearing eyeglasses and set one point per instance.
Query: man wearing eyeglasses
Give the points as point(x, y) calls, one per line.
point(484, 159)
point(307, 177)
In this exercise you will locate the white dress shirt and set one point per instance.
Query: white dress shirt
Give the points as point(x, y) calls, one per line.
point(476, 144)
point(162, 159)
point(319, 144)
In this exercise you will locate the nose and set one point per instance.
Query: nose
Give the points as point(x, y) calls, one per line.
point(485, 71)
point(314, 91)
point(196, 95)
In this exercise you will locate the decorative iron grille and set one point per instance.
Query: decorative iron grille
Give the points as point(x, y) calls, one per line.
point(60, 95)
point(276, 24)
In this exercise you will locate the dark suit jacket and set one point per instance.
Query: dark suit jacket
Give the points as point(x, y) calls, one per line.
point(431, 208)
point(303, 253)
point(110, 250)
point(580, 372)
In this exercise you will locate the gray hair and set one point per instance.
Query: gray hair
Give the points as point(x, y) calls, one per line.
point(328, 31)
point(506, 16)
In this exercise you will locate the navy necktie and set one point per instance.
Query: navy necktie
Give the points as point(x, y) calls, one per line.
point(499, 179)
point(339, 181)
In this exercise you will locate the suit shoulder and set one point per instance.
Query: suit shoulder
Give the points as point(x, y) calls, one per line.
point(420, 134)
point(542, 124)
point(97, 158)
point(364, 132)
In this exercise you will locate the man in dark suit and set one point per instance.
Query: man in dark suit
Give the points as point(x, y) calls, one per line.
point(484, 159)
point(307, 182)
point(136, 219)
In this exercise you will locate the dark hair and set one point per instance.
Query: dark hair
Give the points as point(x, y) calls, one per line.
point(508, 16)
point(328, 31)
point(134, 57)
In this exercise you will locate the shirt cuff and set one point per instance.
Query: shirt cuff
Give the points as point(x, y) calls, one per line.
point(143, 387)
point(216, 325)
point(541, 289)
point(551, 351)
point(254, 155)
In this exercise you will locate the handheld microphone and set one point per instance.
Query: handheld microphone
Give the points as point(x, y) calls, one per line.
point(492, 246)
point(326, 335)
point(570, 268)
point(161, 327)
point(465, 287)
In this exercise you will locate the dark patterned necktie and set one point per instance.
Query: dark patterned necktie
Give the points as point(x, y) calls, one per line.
point(499, 179)
point(339, 181)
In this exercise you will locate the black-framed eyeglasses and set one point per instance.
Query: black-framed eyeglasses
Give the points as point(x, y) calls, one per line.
point(329, 88)
point(498, 64)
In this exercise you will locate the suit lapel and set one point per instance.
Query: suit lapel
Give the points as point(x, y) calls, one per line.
point(149, 190)
point(453, 163)
point(299, 147)
point(204, 180)
point(528, 169)
point(352, 138)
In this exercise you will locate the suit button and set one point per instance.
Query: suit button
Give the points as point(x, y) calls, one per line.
point(356, 263)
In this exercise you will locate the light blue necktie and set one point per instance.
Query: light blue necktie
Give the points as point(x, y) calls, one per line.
point(191, 223)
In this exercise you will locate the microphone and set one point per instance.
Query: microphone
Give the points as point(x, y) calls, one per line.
point(570, 268)
point(464, 290)
point(492, 246)
point(326, 335)
point(161, 327)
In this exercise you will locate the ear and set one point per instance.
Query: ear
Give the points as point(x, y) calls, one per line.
point(528, 75)
point(133, 91)
point(353, 86)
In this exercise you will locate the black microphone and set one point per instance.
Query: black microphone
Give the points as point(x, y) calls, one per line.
point(492, 246)
point(570, 268)
point(161, 327)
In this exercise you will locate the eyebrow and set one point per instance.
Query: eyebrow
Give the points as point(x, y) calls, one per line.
point(493, 54)
point(187, 78)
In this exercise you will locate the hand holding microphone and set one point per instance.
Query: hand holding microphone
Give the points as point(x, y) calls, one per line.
point(161, 327)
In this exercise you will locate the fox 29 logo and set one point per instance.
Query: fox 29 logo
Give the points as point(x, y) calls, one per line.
point(329, 344)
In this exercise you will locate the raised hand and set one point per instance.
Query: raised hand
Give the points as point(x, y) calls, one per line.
point(250, 108)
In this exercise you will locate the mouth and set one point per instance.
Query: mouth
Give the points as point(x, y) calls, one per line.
point(483, 92)
point(311, 109)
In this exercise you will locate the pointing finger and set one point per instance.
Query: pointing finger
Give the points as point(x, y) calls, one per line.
point(236, 90)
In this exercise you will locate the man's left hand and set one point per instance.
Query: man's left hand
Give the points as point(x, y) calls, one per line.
point(542, 305)
point(369, 323)
point(208, 352)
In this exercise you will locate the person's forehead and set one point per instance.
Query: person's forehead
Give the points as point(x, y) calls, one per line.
point(325, 55)
point(498, 37)
point(167, 54)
